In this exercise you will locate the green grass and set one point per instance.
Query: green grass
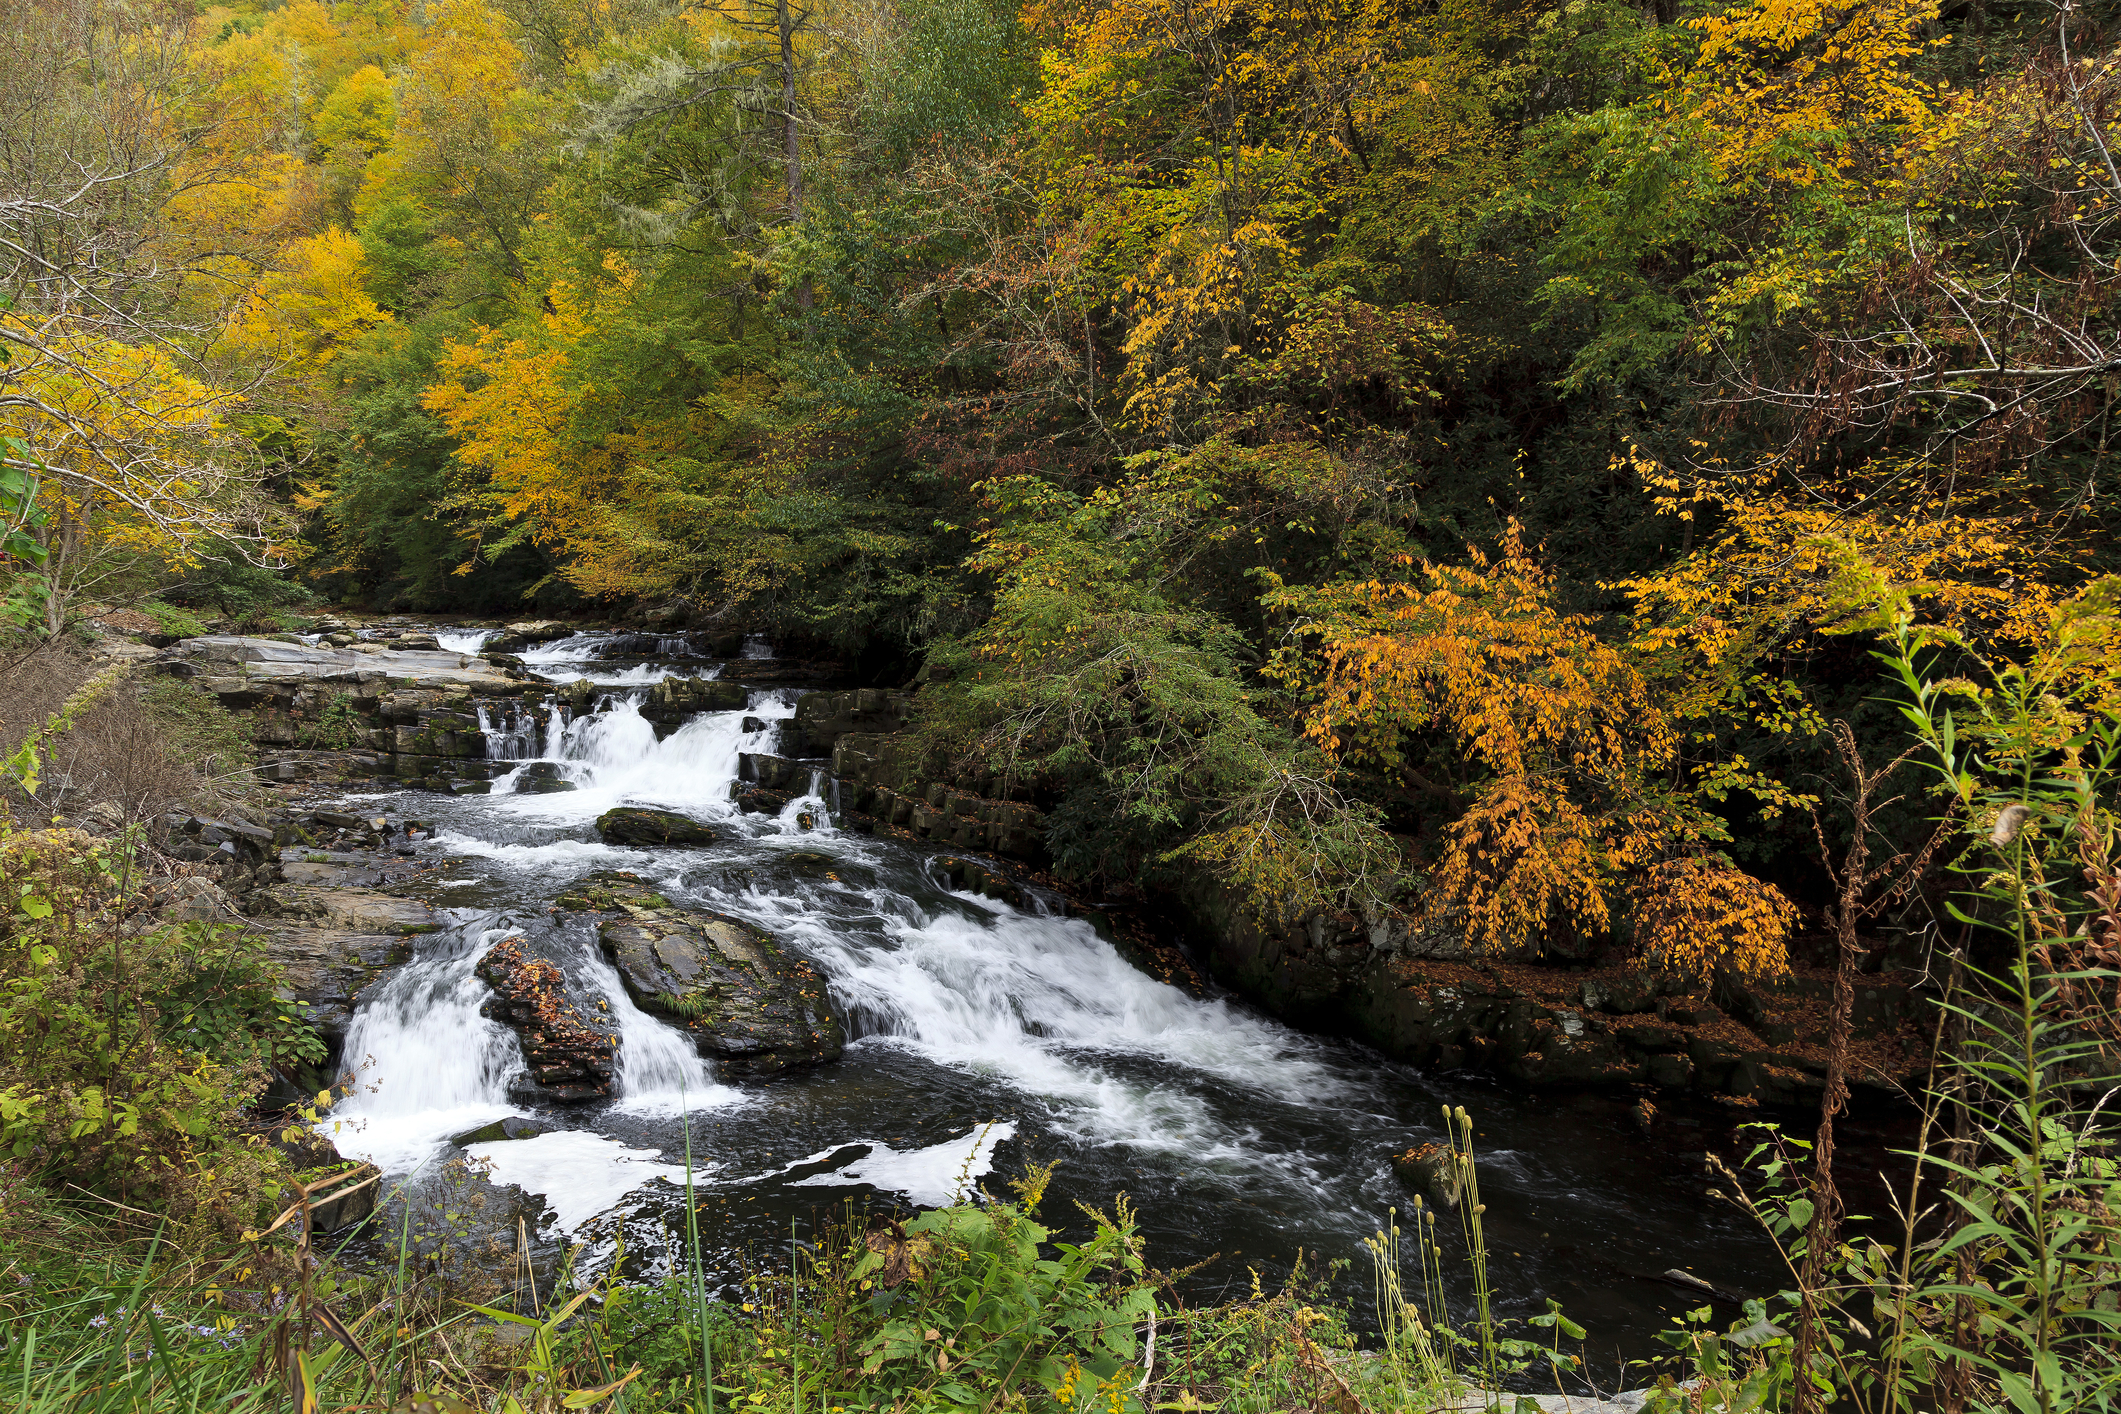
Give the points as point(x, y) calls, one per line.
point(196, 727)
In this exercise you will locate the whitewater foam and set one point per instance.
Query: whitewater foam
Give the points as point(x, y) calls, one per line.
point(580, 1175)
point(932, 1177)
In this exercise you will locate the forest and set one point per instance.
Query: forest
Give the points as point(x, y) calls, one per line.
point(1365, 452)
point(1608, 479)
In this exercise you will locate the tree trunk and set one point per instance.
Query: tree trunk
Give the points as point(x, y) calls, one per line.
point(791, 137)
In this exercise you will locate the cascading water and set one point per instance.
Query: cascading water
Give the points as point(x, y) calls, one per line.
point(466, 641)
point(967, 1017)
point(427, 1062)
point(512, 738)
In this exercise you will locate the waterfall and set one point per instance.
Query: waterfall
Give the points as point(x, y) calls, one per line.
point(975, 1025)
point(513, 738)
point(465, 641)
point(426, 1063)
point(1023, 997)
point(661, 1071)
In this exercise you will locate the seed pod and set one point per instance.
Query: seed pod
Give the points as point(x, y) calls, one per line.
point(2008, 824)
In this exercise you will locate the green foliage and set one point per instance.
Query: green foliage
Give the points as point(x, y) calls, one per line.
point(197, 729)
point(336, 728)
point(1013, 1314)
point(22, 554)
point(173, 620)
point(226, 580)
point(125, 1055)
point(1996, 1287)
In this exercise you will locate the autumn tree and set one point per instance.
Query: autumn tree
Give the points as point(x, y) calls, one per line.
point(106, 307)
point(1547, 757)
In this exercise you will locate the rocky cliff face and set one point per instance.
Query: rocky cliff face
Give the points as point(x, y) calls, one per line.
point(332, 714)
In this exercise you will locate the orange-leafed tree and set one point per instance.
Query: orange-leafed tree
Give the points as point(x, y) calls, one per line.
point(1569, 806)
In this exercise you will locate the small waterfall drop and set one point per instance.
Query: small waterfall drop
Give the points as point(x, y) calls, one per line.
point(465, 641)
point(427, 1063)
point(612, 755)
point(513, 737)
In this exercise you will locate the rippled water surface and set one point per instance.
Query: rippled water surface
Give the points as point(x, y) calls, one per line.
point(984, 1038)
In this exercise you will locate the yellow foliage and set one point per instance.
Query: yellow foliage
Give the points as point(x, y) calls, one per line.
point(134, 448)
point(508, 398)
point(1694, 913)
point(354, 122)
point(1781, 567)
point(1788, 88)
point(305, 312)
point(1566, 736)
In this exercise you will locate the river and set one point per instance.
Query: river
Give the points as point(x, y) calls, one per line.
point(983, 1038)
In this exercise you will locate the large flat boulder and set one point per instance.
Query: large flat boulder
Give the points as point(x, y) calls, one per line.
point(324, 970)
point(356, 909)
point(748, 1004)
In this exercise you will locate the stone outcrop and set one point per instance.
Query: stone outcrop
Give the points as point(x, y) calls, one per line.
point(1416, 994)
point(516, 637)
point(870, 768)
point(822, 718)
point(227, 663)
point(978, 877)
point(325, 970)
point(773, 772)
point(570, 1060)
point(747, 1004)
point(673, 701)
point(332, 714)
point(634, 824)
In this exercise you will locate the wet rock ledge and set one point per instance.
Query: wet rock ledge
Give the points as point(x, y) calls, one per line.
point(747, 1005)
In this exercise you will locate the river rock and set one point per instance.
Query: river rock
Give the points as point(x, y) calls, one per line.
point(748, 1004)
point(501, 1130)
point(240, 670)
point(343, 1198)
point(324, 971)
point(773, 772)
point(1431, 1171)
point(634, 824)
point(542, 778)
point(673, 700)
point(569, 1059)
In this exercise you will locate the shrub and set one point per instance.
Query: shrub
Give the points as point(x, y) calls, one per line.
point(337, 727)
point(174, 621)
point(126, 1055)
